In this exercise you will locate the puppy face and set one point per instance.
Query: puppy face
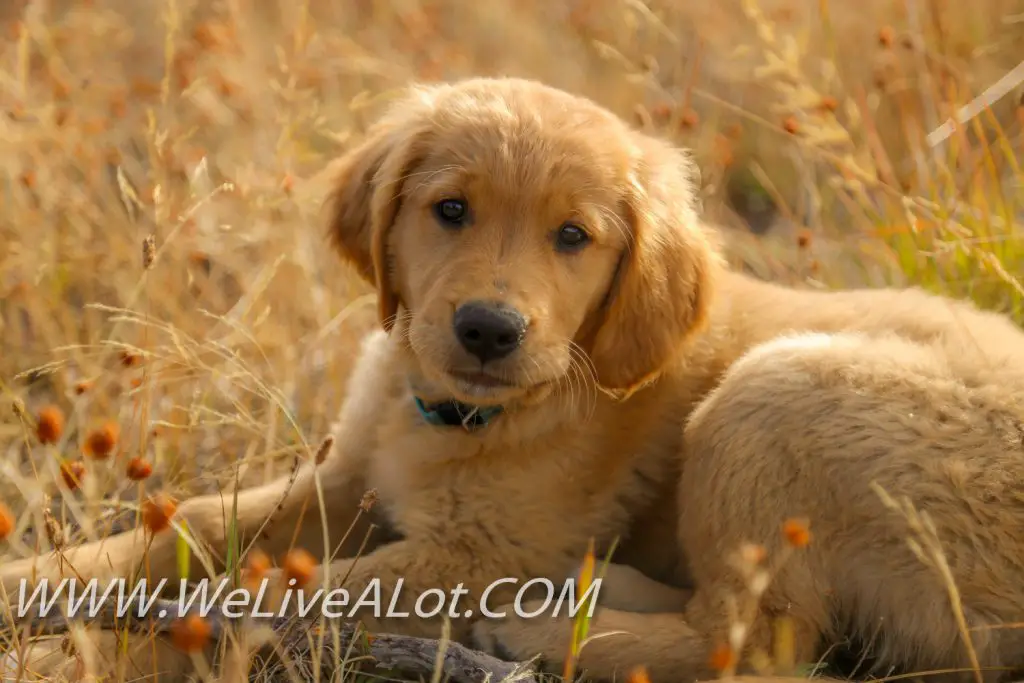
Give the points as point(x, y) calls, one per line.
point(520, 237)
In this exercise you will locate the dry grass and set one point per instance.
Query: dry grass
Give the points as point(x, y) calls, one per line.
point(168, 307)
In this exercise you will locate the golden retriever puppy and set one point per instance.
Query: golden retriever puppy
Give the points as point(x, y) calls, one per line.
point(565, 358)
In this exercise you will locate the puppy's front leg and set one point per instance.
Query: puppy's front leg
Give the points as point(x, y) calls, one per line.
point(617, 643)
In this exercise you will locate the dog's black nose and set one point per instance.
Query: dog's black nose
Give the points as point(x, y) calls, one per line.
point(489, 331)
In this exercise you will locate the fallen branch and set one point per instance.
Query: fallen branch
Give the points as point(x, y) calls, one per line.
point(296, 638)
point(419, 656)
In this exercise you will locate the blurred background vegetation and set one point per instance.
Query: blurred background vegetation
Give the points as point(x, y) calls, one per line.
point(190, 137)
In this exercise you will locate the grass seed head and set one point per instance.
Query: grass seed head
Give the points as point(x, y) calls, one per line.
point(324, 450)
point(18, 408)
point(53, 528)
point(148, 251)
point(368, 500)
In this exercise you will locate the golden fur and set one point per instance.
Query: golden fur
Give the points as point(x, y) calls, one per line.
point(657, 398)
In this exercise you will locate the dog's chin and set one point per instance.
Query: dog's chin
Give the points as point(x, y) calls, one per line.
point(480, 388)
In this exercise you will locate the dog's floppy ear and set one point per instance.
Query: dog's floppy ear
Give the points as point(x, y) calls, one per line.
point(368, 181)
point(662, 288)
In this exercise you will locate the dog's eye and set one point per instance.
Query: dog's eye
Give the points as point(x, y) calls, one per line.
point(571, 237)
point(450, 211)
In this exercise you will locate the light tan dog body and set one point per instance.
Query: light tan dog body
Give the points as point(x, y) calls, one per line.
point(920, 395)
point(744, 424)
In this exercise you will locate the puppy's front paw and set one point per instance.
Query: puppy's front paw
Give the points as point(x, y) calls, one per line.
point(513, 638)
point(486, 636)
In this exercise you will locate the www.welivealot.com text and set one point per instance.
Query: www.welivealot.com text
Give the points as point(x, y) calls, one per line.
point(89, 599)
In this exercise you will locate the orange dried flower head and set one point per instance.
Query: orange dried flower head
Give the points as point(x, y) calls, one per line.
point(661, 111)
point(638, 675)
point(753, 553)
point(6, 521)
point(829, 103)
point(796, 532)
point(790, 125)
point(71, 473)
point(803, 239)
point(722, 657)
point(83, 387)
point(100, 443)
point(129, 359)
point(689, 119)
point(256, 566)
point(50, 424)
point(139, 469)
point(118, 107)
point(157, 513)
point(300, 566)
point(886, 35)
point(724, 153)
point(60, 89)
point(191, 633)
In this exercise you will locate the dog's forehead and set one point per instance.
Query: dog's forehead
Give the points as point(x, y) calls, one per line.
point(523, 142)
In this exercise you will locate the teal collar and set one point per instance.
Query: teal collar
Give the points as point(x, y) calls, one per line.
point(454, 413)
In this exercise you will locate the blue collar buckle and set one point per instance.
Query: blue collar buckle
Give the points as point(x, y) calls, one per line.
point(454, 413)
